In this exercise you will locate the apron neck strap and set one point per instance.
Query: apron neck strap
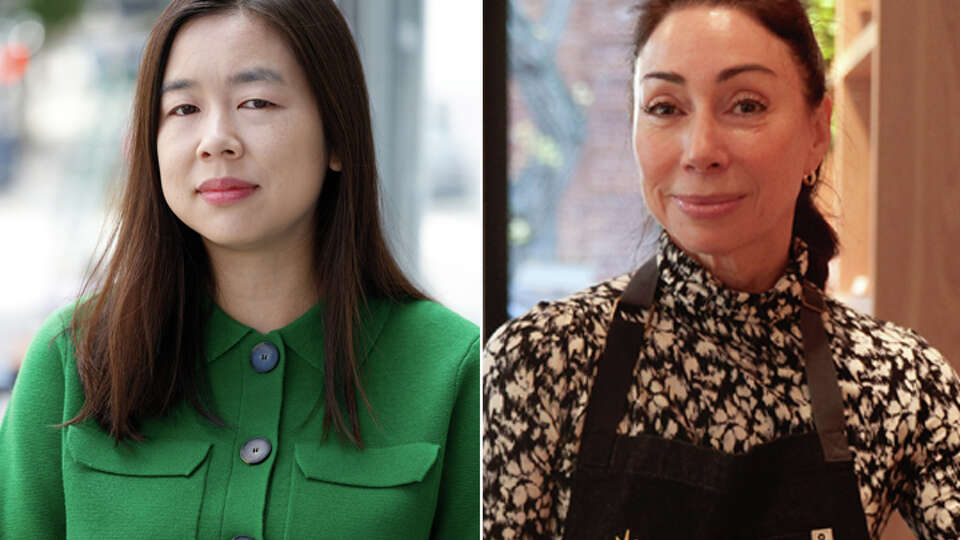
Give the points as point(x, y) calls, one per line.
point(825, 397)
point(608, 404)
point(642, 288)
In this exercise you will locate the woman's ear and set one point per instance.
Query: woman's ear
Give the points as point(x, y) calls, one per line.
point(335, 163)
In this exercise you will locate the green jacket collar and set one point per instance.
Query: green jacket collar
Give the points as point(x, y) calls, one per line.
point(304, 335)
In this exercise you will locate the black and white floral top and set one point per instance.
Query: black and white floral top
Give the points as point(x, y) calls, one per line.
point(723, 369)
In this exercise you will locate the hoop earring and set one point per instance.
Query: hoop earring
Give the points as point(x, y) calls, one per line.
point(809, 180)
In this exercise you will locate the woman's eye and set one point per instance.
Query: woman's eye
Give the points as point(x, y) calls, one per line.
point(256, 104)
point(749, 106)
point(661, 109)
point(184, 110)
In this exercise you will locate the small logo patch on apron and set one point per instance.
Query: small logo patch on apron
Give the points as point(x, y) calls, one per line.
point(821, 534)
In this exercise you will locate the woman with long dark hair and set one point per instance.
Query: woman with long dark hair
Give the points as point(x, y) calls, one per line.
point(247, 360)
point(717, 393)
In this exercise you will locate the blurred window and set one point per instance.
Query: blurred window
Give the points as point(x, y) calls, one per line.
point(576, 212)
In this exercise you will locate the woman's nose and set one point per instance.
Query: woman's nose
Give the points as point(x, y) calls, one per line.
point(704, 151)
point(219, 138)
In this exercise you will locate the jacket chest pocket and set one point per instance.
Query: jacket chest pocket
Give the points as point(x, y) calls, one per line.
point(386, 492)
point(132, 490)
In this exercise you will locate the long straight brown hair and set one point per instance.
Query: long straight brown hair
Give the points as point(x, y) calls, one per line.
point(138, 328)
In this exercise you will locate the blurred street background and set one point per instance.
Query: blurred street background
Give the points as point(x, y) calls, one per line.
point(67, 73)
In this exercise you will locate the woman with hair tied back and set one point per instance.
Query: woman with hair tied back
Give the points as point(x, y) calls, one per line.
point(248, 361)
point(717, 393)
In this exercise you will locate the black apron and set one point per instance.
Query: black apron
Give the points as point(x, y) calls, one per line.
point(801, 487)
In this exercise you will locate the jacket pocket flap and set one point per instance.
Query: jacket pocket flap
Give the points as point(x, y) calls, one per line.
point(96, 450)
point(371, 467)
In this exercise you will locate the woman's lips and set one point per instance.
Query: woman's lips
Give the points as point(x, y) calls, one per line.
point(225, 190)
point(707, 206)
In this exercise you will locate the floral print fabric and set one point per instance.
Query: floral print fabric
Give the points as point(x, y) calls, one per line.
point(723, 369)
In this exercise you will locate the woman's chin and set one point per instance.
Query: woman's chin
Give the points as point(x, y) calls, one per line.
point(230, 240)
point(704, 241)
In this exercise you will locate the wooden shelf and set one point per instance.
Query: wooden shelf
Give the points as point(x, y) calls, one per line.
point(854, 61)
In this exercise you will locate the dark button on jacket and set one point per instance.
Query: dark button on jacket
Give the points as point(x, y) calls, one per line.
point(264, 357)
point(255, 451)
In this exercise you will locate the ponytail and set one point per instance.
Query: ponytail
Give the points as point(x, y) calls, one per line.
point(811, 226)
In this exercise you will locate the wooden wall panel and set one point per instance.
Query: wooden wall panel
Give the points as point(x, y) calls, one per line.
point(916, 153)
point(915, 212)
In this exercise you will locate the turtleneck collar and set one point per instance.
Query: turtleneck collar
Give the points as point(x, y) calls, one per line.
point(689, 289)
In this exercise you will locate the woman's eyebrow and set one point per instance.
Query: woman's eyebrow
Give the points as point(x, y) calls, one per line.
point(178, 84)
point(724, 75)
point(258, 74)
point(731, 72)
point(668, 76)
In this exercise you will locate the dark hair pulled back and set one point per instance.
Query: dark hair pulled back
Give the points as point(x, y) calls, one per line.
point(788, 20)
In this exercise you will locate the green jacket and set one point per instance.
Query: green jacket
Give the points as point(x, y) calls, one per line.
point(417, 477)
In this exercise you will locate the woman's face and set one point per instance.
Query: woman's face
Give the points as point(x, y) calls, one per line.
point(240, 144)
point(723, 134)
